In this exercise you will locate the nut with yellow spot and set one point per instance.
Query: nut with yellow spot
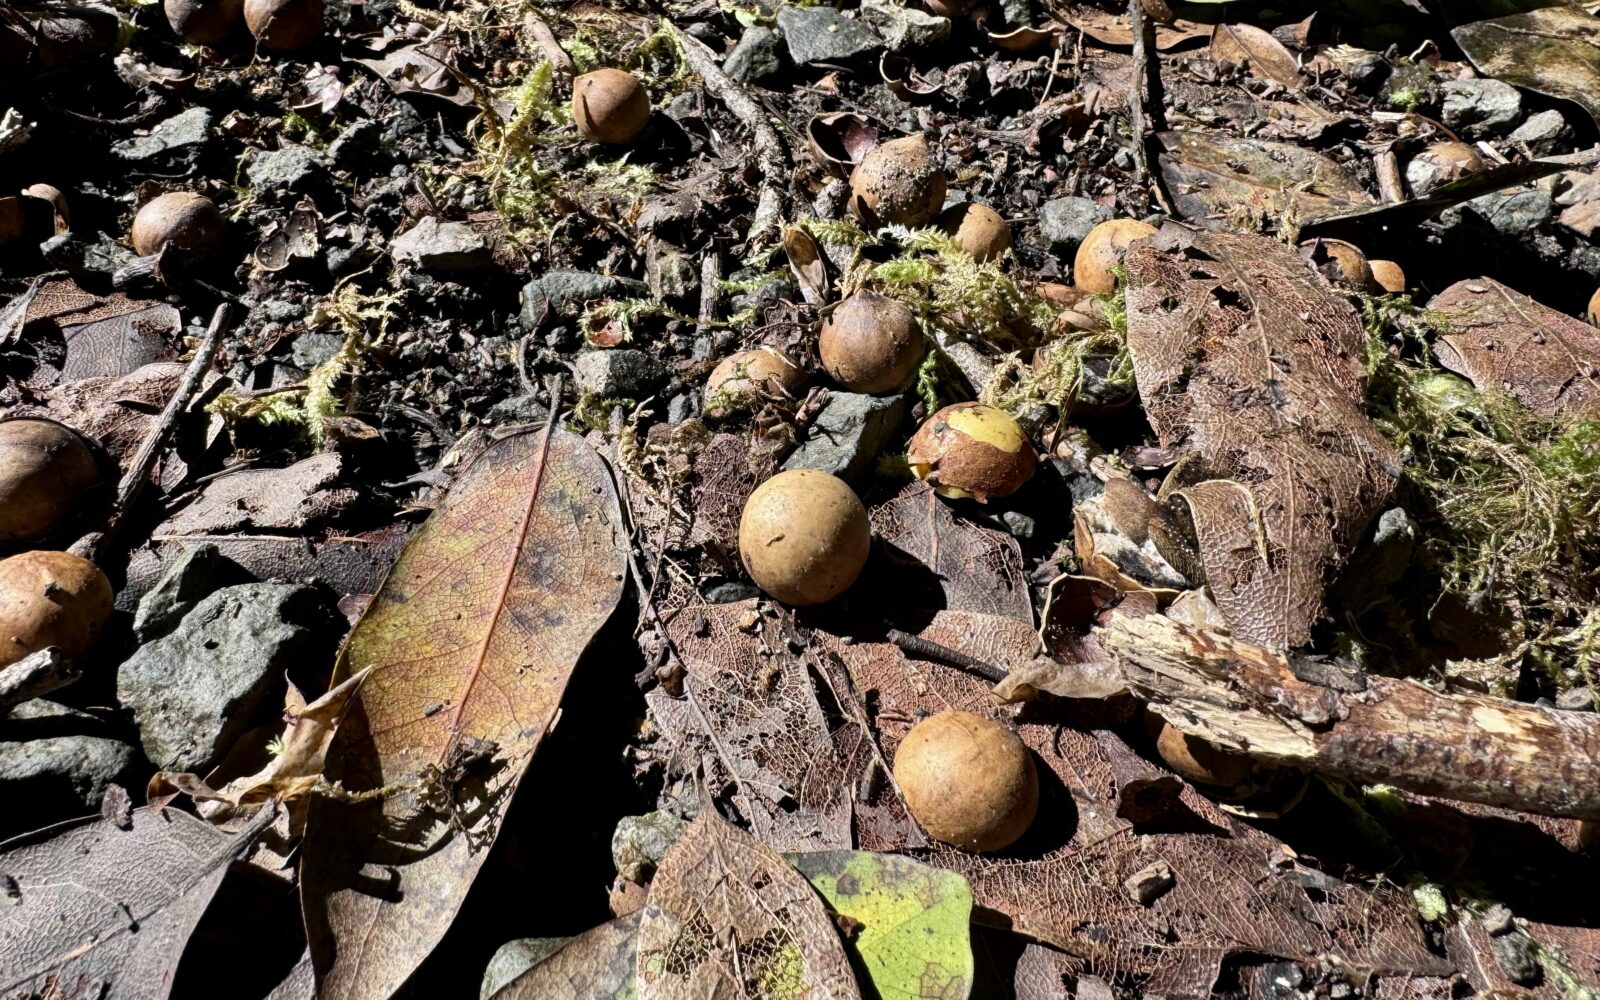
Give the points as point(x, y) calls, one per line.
point(972, 450)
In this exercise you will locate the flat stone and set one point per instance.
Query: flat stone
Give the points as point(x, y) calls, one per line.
point(823, 35)
point(198, 689)
point(848, 435)
point(673, 276)
point(1481, 109)
point(1150, 883)
point(55, 763)
point(906, 28)
point(186, 582)
point(640, 842)
point(564, 293)
point(179, 138)
point(1544, 133)
point(1065, 222)
point(441, 246)
point(1515, 955)
point(1515, 214)
point(514, 958)
point(618, 374)
point(291, 168)
point(758, 57)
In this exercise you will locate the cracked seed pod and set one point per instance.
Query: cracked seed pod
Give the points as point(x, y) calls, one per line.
point(610, 106)
point(804, 536)
point(977, 229)
point(1388, 275)
point(972, 450)
point(899, 183)
point(45, 468)
point(742, 380)
point(51, 599)
point(1102, 250)
point(204, 22)
point(1440, 164)
point(284, 25)
point(871, 343)
point(190, 222)
point(1343, 264)
point(969, 781)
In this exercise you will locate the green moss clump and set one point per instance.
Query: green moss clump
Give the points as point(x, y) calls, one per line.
point(952, 293)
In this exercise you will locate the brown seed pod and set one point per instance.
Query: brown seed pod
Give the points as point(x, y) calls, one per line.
point(977, 229)
point(948, 8)
point(204, 22)
point(1388, 275)
point(840, 139)
point(871, 343)
point(1440, 164)
point(968, 781)
point(1592, 314)
point(284, 25)
point(51, 599)
point(804, 536)
point(899, 183)
point(1343, 264)
point(190, 222)
point(1197, 760)
point(744, 379)
point(57, 202)
point(1102, 250)
point(610, 106)
point(972, 450)
point(45, 468)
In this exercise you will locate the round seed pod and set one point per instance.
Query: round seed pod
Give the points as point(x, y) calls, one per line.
point(948, 8)
point(742, 380)
point(51, 599)
point(610, 106)
point(1388, 275)
point(1440, 164)
point(204, 22)
point(968, 781)
point(1592, 314)
point(58, 205)
point(898, 183)
point(804, 536)
point(190, 222)
point(871, 343)
point(1197, 760)
point(284, 25)
point(1343, 264)
point(1102, 250)
point(972, 450)
point(45, 467)
point(977, 229)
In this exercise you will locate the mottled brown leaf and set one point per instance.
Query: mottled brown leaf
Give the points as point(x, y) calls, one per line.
point(1554, 50)
point(937, 559)
point(1221, 181)
point(1507, 343)
point(472, 639)
point(596, 965)
point(1248, 45)
point(97, 904)
point(303, 497)
point(727, 917)
point(1246, 360)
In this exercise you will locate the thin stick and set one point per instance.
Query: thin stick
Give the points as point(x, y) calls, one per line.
point(534, 25)
point(1147, 113)
point(710, 274)
point(929, 650)
point(34, 675)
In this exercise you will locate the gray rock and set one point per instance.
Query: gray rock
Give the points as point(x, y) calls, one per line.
point(640, 842)
point(354, 143)
point(1065, 222)
point(1150, 883)
point(730, 593)
point(1481, 109)
point(441, 246)
point(1497, 919)
point(563, 293)
point(1544, 133)
point(905, 28)
point(1515, 955)
point(849, 433)
point(758, 57)
point(100, 260)
point(514, 958)
point(1577, 699)
point(199, 688)
point(673, 276)
point(291, 168)
point(680, 408)
point(618, 374)
point(179, 139)
point(55, 763)
point(1515, 214)
point(1018, 12)
point(199, 571)
point(823, 35)
point(313, 347)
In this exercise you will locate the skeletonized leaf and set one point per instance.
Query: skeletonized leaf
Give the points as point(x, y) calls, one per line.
point(938, 560)
point(915, 938)
point(1506, 342)
point(727, 917)
point(596, 965)
point(471, 641)
point(100, 904)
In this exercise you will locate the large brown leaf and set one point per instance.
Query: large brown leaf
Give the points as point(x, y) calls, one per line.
point(595, 965)
point(472, 639)
point(1245, 359)
point(727, 918)
point(1218, 180)
point(1554, 50)
point(1506, 342)
point(1248, 45)
point(108, 904)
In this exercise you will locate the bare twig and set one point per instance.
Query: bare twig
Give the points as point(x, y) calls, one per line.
point(543, 37)
point(1147, 113)
point(1387, 166)
point(34, 675)
point(930, 650)
point(710, 275)
point(770, 151)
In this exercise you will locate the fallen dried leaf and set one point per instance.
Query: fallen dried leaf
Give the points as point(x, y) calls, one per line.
point(939, 560)
point(1554, 50)
point(596, 965)
point(1248, 45)
point(300, 498)
point(1215, 179)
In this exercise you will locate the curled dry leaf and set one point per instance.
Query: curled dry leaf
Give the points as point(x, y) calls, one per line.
point(1025, 39)
point(596, 965)
point(1506, 342)
point(1249, 362)
point(727, 917)
point(807, 265)
point(840, 139)
point(1112, 29)
point(298, 238)
point(472, 638)
point(903, 80)
point(421, 68)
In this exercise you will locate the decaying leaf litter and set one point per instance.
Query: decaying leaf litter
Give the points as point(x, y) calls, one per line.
point(948, 499)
